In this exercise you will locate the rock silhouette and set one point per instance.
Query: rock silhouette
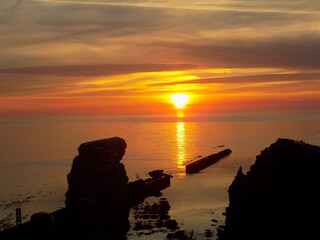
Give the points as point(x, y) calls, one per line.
point(97, 191)
point(97, 180)
point(41, 226)
point(279, 196)
point(98, 199)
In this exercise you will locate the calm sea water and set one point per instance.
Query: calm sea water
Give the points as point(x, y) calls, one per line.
point(36, 156)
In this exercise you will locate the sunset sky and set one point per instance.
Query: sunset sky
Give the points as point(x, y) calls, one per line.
point(128, 57)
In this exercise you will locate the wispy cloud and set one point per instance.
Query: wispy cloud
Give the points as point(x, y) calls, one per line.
point(96, 70)
point(59, 34)
point(296, 52)
point(225, 6)
point(265, 78)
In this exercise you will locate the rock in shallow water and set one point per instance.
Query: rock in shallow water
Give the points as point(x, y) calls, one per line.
point(279, 197)
point(97, 180)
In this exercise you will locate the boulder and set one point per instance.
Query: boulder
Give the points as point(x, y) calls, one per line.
point(98, 181)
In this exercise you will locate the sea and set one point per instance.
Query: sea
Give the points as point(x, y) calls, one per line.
point(36, 155)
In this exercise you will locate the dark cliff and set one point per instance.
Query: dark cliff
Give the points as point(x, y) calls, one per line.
point(279, 196)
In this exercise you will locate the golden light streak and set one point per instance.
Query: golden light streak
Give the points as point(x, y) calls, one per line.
point(181, 146)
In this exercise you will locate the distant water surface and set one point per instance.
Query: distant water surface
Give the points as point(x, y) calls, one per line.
point(36, 156)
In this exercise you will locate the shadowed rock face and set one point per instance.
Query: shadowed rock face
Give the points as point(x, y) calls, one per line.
point(279, 197)
point(97, 180)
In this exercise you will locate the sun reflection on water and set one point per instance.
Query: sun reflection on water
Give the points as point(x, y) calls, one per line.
point(181, 146)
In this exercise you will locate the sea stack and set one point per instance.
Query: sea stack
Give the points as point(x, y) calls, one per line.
point(279, 197)
point(98, 181)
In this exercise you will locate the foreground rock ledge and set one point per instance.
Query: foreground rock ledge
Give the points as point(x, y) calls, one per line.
point(98, 199)
point(279, 196)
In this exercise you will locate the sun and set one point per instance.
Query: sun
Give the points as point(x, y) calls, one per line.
point(180, 99)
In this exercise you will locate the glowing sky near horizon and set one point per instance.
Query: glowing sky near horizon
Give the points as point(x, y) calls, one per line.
point(128, 57)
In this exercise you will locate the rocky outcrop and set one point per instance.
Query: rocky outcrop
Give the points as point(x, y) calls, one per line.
point(140, 189)
point(98, 199)
point(279, 196)
point(98, 181)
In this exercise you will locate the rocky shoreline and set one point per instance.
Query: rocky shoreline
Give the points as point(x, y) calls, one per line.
point(98, 198)
point(278, 198)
